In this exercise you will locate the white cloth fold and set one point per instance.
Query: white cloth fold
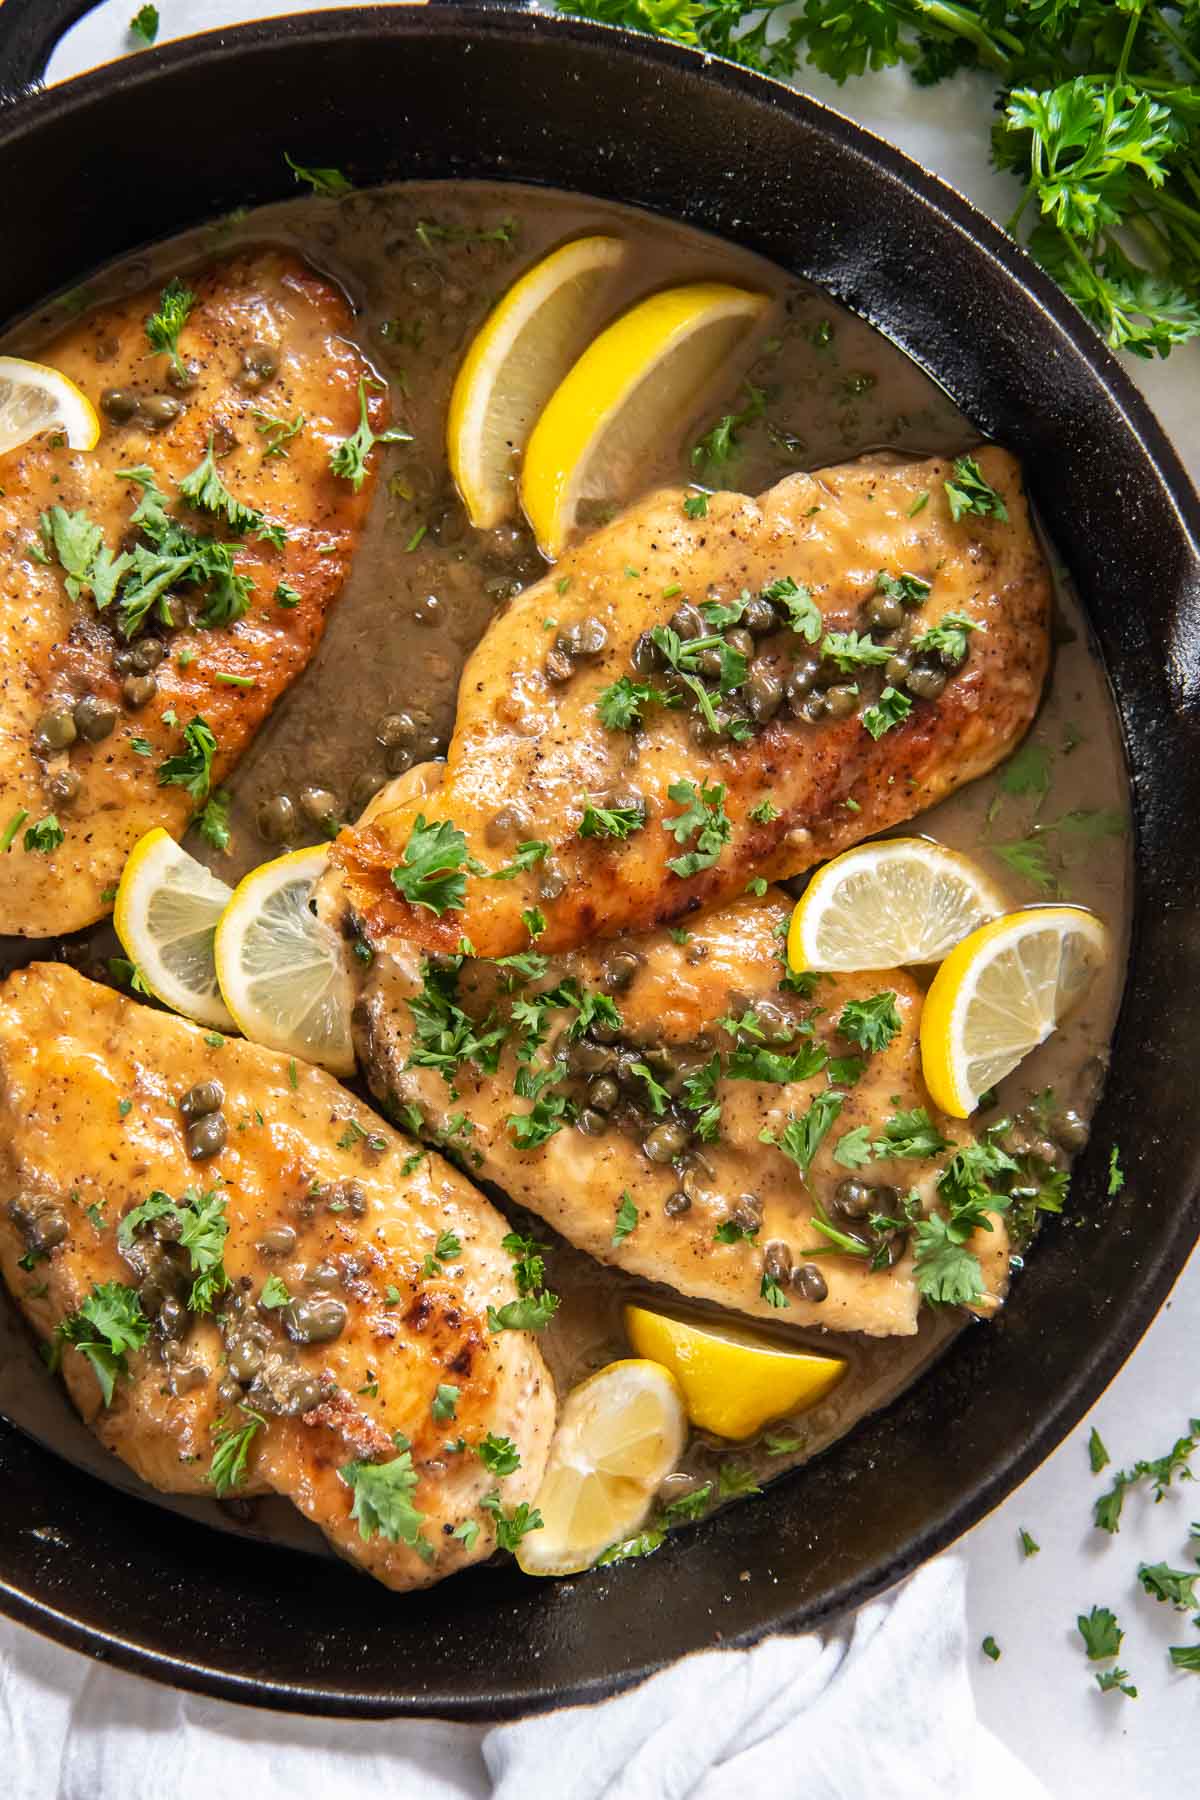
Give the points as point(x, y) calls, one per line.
point(884, 1713)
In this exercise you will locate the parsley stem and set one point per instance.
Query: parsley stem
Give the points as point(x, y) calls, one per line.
point(1167, 30)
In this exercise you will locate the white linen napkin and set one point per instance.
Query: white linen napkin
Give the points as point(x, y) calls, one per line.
point(883, 1714)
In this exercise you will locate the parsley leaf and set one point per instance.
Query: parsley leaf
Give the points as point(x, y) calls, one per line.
point(164, 326)
point(444, 1402)
point(430, 872)
point(144, 24)
point(204, 489)
point(850, 651)
point(610, 821)
point(330, 184)
point(912, 1135)
point(764, 812)
point(891, 709)
point(231, 1449)
point(968, 492)
point(720, 442)
point(626, 1219)
point(1116, 1175)
point(948, 638)
point(853, 1149)
point(45, 836)
point(212, 821)
point(109, 1323)
point(191, 768)
point(275, 1293)
point(1098, 1455)
point(512, 1526)
point(620, 705)
point(1159, 1471)
point(499, 1455)
point(870, 1023)
point(802, 1137)
point(533, 1314)
point(88, 565)
point(804, 615)
point(1177, 1586)
point(383, 1502)
point(704, 814)
point(1100, 1633)
point(349, 458)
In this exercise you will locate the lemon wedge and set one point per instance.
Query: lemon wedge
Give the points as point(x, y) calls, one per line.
point(733, 1380)
point(283, 971)
point(36, 398)
point(620, 1433)
point(166, 916)
point(634, 384)
point(1000, 994)
point(882, 905)
point(515, 361)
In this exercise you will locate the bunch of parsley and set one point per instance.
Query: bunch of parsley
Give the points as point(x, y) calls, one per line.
point(1099, 120)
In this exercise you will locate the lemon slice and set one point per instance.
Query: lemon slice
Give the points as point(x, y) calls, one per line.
point(166, 916)
point(620, 1433)
point(36, 398)
point(515, 361)
point(879, 906)
point(629, 389)
point(283, 971)
point(1000, 994)
point(733, 1380)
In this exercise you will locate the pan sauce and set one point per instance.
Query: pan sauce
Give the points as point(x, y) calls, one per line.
point(423, 263)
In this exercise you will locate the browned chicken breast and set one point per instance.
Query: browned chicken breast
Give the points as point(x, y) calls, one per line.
point(253, 1284)
point(690, 700)
point(104, 668)
point(674, 1108)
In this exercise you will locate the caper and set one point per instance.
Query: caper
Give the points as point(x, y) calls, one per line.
point(591, 1122)
point(186, 1380)
point(173, 1318)
point(586, 638)
point(811, 709)
point(809, 1282)
point(314, 1321)
point(666, 1141)
point(645, 655)
point(146, 655)
point(558, 666)
point(676, 1204)
point(277, 820)
point(322, 1275)
point(503, 826)
point(687, 621)
point(138, 690)
point(604, 1033)
point(587, 1058)
point(618, 970)
point(853, 1199)
point(777, 1260)
point(551, 881)
point(94, 719)
point(40, 1220)
point(399, 758)
point(776, 1024)
point(244, 1359)
point(63, 786)
point(710, 663)
point(396, 728)
point(897, 667)
point(603, 1094)
point(365, 786)
point(183, 376)
point(157, 411)
point(207, 1137)
point(925, 683)
point(841, 701)
point(884, 612)
point(55, 730)
point(739, 639)
point(799, 683)
point(1070, 1128)
point(122, 660)
point(260, 364)
point(318, 804)
point(763, 692)
point(206, 1097)
point(118, 404)
point(747, 1212)
point(760, 617)
point(302, 1394)
point(277, 1240)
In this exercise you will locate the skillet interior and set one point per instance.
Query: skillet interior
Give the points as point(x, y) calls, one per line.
point(182, 134)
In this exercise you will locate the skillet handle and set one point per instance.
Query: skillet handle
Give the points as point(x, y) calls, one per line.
point(29, 30)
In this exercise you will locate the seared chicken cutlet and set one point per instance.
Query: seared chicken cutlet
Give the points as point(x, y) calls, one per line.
point(314, 1281)
point(103, 666)
point(688, 701)
point(675, 1110)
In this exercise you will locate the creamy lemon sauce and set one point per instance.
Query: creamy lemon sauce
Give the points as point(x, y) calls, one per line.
point(423, 263)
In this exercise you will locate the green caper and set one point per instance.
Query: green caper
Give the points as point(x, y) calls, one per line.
point(322, 1275)
point(206, 1137)
point(146, 655)
point(812, 709)
point(122, 660)
point(503, 826)
point(396, 728)
point(591, 1122)
point(558, 666)
point(244, 1359)
point(809, 1282)
point(94, 719)
point(666, 1141)
point(603, 1094)
point(586, 638)
point(740, 639)
point(206, 1097)
point(645, 655)
point(799, 684)
point(853, 1199)
point(551, 881)
point(183, 376)
point(138, 690)
point(841, 701)
point(40, 1220)
point(897, 667)
point(925, 683)
point(260, 364)
point(157, 411)
point(747, 1212)
point(884, 612)
point(118, 404)
point(55, 730)
point(399, 758)
point(315, 1321)
point(587, 1058)
point(185, 1380)
point(318, 804)
point(277, 1240)
point(1070, 1128)
point(676, 1204)
point(63, 786)
point(760, 618)
point(365, 786)
point(710, 663)
point(277, 819)
point(687, 621)
point(618, 970)
point(763, 692)
point(777, 1260)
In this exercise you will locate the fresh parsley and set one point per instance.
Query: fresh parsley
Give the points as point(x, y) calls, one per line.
point(802, 1137)
point(499, 1455)
point(144, 24)
point(191, 768)
point(164, 326)
point(330, 184)
point(626, 1219)
point(231, 1450)
point(620, 705)
point(45, 836)
point(348, 460)
point(108, 1324)
point(870, 1023)
point(431, 872)
point(705, 818)
point(968, 492)
point(892, 708)
point(383, 1502)
point(610, 821)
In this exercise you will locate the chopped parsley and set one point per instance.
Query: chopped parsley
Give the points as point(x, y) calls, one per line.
point(968, 492)
point(88, 565)
point(804, 615)
point(853, 1148)
point(383, 1502)
point(1159, 1471)
point(12, 828)
point(499, 1455)
point(1029, 1545)
point(911, 1135)
point(626, 1219)
point(610, 821)
point(330, 184)
point(191, 768)
point(696, 506)
point(231, 1449)
point(870, 1023)
point(948, 1274)
point(850, 651)
point(431, 871)
point(719, 444)
point(512, 1526)
point(1116, 1175)
point(620, 705)
point(286, 595)
point(108, 1324)
point(1175, 1586)
point(144, 24)
point(275, 1293)
point(802, 1137)
point(212, 821)
point(276, 432)
point(764, 812)
point(45, 836)
point(891, 709)
point(703, 816)
point(205, 490)
point(349, 458)
point(164, 326)
point(1098, 1456)
point(948, 638)
point(444, 1403)
point(990, 1648)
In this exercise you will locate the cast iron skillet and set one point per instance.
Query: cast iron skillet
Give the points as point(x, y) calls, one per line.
point(161, 141)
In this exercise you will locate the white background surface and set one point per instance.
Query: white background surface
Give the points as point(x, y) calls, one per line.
point(1040, 1698)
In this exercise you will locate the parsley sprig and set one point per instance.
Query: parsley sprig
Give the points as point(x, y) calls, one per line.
point(349, 458)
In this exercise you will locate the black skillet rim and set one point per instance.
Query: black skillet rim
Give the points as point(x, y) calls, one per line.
point(88, 1609)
